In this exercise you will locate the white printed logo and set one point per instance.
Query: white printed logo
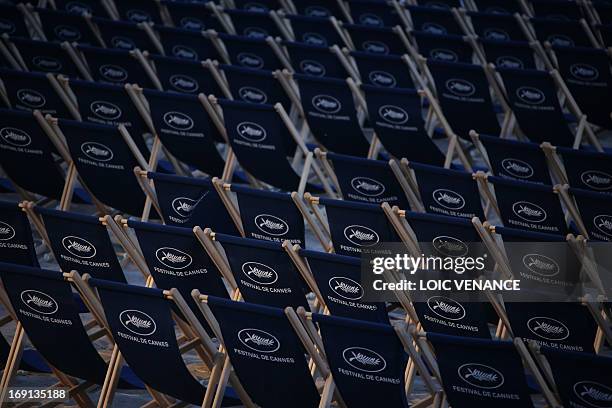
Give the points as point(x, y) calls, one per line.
point(271, 225)
point(184, 52)
point(6, 231)
point(448, 199)
point(184, 206)
point(460, 87)
point(367, 186)
point(442, 54)
point(314, 39)
point(113, 73)
point(123, 43)
point(255, 32)
point(541, 264)
point(433, 28)
point(173, 258)
point(382, 78)
point(560, 40)
point(47, 63)
point(446, 308)
point(370, 19)
point(6, 26)
point(547, 328)
point(31, 98)
point(496, 34)
point(317, 11)
point(529, 211)
point(79, 247)
point(137, 322)
point(313, 68)
point(138, 16)
point(105, 110)
point(178, 121)
point(39, 301)
point(450, 246)
point(603, 223)
point(259, 340)
point(597, 180)
point(97, 151)
point(250, 60)
point(393, 114)
point(517, 168)
point(184, 83)
point(361, 236)
point(259, 273)
point(375, 47)
point(67, 33)
point(326, 104)
point(346, 288)
point(251, 131)
point(15, 137)
point(594, 394)
point(480, 375)
point(253, 95)
point(584, 72)
point(508, 61)
point(192, 23)
point(364, 359)
point(78, 8)
point(530, 95)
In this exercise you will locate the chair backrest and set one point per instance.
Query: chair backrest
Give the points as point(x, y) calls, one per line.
point(12, 22)
point(374, 13)
point(315, 31)
point(186, 44)
point(448, 192)
point(365, 180)
point(337, 279)
point(315, 61)
point(192, 16)
point(319, 8)
point(115, 66)
point(433, 20)
point(460, 87)
point(255, 86)
point(367, 361)
point(188, 201)
point(386, 71)
point(497, 26)
point(270, 216)
point(184, 76)
point(331, 114)
point(123, 35)
point(62, 26)
point(395, 115)
point(16, 236)
point(509, 54)
point(560, 32)
point(555, 9)
point(587, 170)
point(138, 11)
point(265, 352)
point(264, 272)
point(91, 7)
point(498, 6)
point(26, 152)
point(32, 91)
point(357, 226)
point(44, 56)
point(445, 48)
point(253, 24)
point(375, 40)
point(477, 372)
point(186, 130)
point(140, 320)
point(258, 5)
point(595, 213)
point(81, 242)
point(250, 52)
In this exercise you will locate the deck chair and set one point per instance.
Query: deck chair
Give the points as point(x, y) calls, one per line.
point(513, 160)
point(563, 33)
point(126, 36)
point(142, 325)
point(586, 71)
point(80, 7)
point(375, 40)
point(462, 88)
point(532, 96)
point(364, 180)
point(138, 11)
point(323, 32)
point(586, 170)
point(255, 86)
point(48, 312)
point(498, 6)
point(110, 105)
point(61, 26)
point(185, 130)
point(117, 67)
point(387, 71)
point(376, 14)
point(594, 210)
point(192, 16)
point(337, 280)
point(262, 271)
point(555, 9)
point(498, 26)
point(187, 201)
point(484, 372)
point(31, 91)
point(13, 21)
point(183, 76)
point(579, 379)
point(250, 52)
point(255, 24)
point(320, 8)
point(187, 44)
point(453, 193)
point(102, 155)
point(26, 153)
point(434, 20)
point(443, 47)
point(16, 233)
point(527, 206)
point(263, 350)
point(509, 54)
point(317, 61)
point(43, 56)
point(331, 114)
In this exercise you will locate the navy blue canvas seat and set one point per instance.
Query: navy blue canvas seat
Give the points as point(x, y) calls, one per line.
point(43, 56)
point(315, 61)
point(395, 115)
point(532, 96)
point(367, 361)
point(255, 86)
point(580, 380)
point(253, 24)
point(257, 5)
point(463, 88)
point(529, 206)
point(556, 9)
point(105, 163)
point(374, 13)
point(12, 22)
point(184, 76)
point(16, 233)
point(315, 31)
point(265, 352)
point(355, 227)
point(188, 201)
point(49, 313)
point(192, 15)
point(596, 213)
point(477, 372)
point(30, 91)
point(123, 35)
point(586, 71)
point(560, 32)
point(80, 242)
point(23, 147)
point(115, 66)
point(91, 7)
point(138, 11)
point(62, 26)
point(186, 130)
point(369, 181)
point(497, 26)
point(337, 279)
point(263, 272)
point(375, 40)
point(587, 170)
point(319, 8)
point(187, 44)
point(141, 322)
point(498, 6)
point(331, 114)
point(250, 52)
point(386, 71)
point(448, 192)
point(516, 160)
point(270, 216)
point(445, 48)
point(509, 54)
point(433, 20)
